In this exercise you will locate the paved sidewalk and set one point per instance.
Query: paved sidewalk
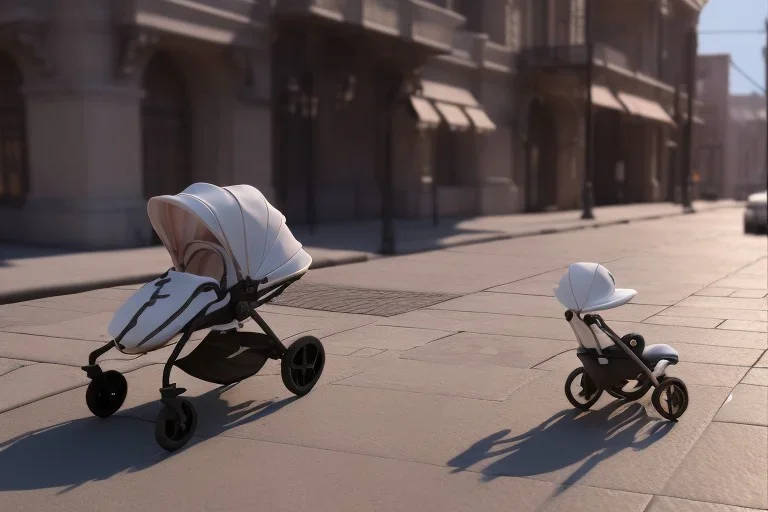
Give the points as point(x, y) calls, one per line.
point(28, 273)
point(452, 406)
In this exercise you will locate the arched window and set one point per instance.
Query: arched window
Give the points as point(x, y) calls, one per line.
point(165, 126)
point(14, 177)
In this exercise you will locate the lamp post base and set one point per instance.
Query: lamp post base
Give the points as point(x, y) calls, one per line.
point(587, 201)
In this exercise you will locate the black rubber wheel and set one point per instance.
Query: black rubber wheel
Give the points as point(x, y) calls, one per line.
point(670, 398)
point(106, 393)
point(643, 384)
point(588, 393)
point(302, 365)
point(170, 432)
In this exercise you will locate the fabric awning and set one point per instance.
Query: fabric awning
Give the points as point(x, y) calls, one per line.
point(425, 112)
point(642, 107)
point(453, 116)
point(603, 97)
point(448, 94)
point(480, 119)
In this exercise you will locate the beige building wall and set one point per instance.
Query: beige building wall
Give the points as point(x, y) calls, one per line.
point(83, 91)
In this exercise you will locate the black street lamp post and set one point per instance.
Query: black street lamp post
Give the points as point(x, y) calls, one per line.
point(587, 193)
point(691, 90)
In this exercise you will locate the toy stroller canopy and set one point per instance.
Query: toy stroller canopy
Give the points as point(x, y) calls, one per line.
point(240, 219)
point(587, 287)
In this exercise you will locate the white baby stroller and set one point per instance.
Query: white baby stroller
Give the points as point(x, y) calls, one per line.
point(622, 366)
point(232, 252)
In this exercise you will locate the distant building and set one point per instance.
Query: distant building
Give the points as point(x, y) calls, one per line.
point(709, 153)
point(729, 149)
point(745, 146)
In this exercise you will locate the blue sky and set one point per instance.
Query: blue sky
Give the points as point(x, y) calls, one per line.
point(746, 49)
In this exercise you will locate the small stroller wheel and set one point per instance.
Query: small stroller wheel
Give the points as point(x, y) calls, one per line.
point(670, 398)
point(302, 365)
point(638, 391)
point(170, 432)
point(586, 392)
point(106, 393)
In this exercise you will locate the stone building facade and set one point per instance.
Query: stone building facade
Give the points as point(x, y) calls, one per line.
point(729, 149)
point(335, 109)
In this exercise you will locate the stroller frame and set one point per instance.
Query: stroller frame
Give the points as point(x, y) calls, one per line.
point(605, 370)
point(246, 297)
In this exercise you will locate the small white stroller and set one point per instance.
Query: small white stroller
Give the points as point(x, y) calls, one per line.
point(623, 366)
point(232, 252)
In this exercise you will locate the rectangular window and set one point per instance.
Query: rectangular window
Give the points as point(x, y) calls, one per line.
point(577, 22)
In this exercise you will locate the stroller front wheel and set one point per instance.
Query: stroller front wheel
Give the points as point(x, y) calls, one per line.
point(302, 365)
point(173, 432)
point(670, 398)
point(587, 393)
point(106, 393)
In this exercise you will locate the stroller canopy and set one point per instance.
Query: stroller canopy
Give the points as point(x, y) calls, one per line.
point(587, 287)
point(251, 232)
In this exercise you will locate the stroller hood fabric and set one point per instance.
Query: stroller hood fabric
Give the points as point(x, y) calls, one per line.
point(251, 231)
point(587, 287)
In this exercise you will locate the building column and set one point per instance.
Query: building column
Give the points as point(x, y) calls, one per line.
point(84, 146)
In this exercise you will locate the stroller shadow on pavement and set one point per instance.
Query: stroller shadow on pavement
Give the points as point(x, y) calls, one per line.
point(566, 438)
point(88, 449)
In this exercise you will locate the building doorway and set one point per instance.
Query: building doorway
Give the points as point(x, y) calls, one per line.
point(165, 129)
point(541, 158)
point(14, 178)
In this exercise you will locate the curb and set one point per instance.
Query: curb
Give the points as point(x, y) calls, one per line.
point(69, 289)
point(72, 288)
point(553, 231)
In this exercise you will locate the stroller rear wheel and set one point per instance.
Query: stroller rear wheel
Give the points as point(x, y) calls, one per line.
point(670, 398)
point(302, 365)
point(171, 432)
point(106, 393)
point(586, 392)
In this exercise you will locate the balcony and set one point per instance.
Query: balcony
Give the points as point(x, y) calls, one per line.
point(239, 22)
point(477, 49)
point(414, 20)
point(573, 56)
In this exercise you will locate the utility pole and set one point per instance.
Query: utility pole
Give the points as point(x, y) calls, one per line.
point(587, 197)
point(692, 48)
point(765, 93)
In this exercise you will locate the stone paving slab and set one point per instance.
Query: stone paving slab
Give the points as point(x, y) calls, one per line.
point(667, 504)
point(24, 314)
point(385, 337)
point(757, 376)
point(724, 466)
point(718, 313)
point(750, 294)
point(467, 381)
point(509, 351)
point(747, 404)
point(515, 444)
point(673, 335)
point(725, 302)
point(33, 382)
point(744, 325)
point(527, 305)
point(684, 321)
point(289, 477)
point(9, 365)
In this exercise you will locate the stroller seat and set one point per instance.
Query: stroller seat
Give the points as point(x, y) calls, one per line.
point(160, 309)
point(652, 354)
